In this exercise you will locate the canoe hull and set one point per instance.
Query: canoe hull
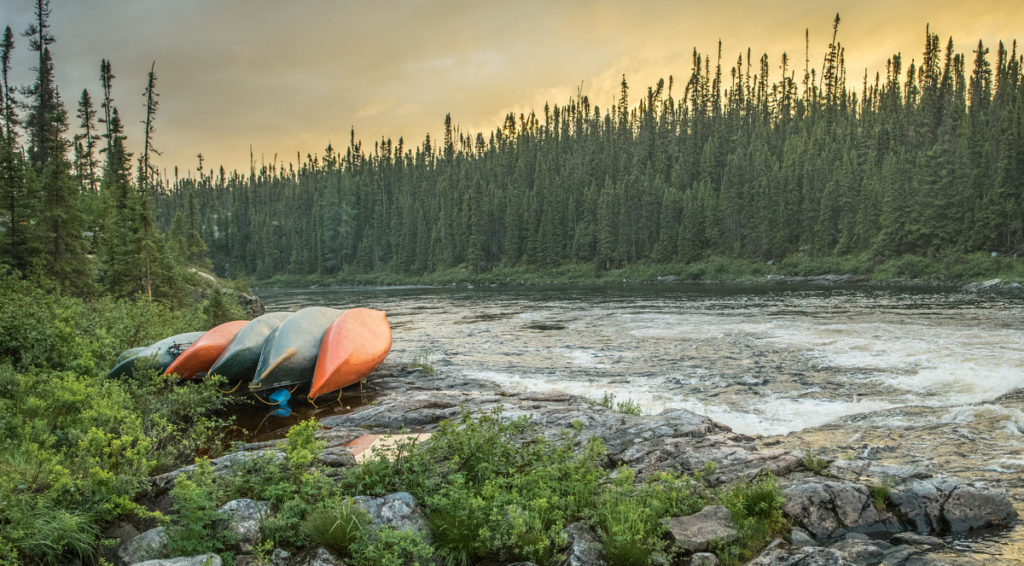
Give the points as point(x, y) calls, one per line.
point(198, 358)
point(290, 352)
point(351, 348)
point(240, 358)
point(158, 355)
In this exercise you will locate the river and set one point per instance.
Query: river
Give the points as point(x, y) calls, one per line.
point(927, 377)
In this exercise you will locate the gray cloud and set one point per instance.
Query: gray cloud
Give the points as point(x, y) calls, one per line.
point(291, 76)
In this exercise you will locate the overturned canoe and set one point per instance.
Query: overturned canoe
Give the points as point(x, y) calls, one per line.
point(352, 347)
point(156, 356)
point(197, 358)
point(289, 353)
point(239, 359)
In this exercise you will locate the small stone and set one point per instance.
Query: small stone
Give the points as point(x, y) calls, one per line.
point(914, 539)
point(704, 559)
point(244, 517)
point(199, 560)
point(798, 537)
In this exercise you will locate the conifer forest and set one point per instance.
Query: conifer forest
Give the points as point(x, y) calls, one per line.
point(753, 158)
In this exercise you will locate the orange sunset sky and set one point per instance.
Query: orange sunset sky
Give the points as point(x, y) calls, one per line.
point(287, 77)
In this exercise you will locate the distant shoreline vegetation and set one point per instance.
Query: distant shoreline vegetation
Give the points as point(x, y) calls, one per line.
point(951, 271)
point(732, 171)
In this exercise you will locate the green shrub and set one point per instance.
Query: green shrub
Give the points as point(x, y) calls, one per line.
point(337, 527)
point(388, 547)
point(756, 509)
point(630, 531)
point(880, 493)
point(627, 407)
point(908, 267)
point(815, 463)
point(193, 529)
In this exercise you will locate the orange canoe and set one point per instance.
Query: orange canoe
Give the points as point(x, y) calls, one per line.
point(353, 346)
point(199, 357)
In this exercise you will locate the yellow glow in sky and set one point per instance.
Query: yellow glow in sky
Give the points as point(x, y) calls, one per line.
point(287, 77)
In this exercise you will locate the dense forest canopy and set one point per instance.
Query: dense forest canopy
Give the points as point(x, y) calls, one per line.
point(741, 161)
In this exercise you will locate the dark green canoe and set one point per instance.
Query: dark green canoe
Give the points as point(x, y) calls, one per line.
point(157, 356)
point(239, 360)
point(289, 354)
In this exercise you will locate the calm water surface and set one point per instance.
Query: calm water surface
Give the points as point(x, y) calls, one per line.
point(926, 377)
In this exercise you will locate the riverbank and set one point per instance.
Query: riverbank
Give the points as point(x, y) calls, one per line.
point(676, 487)
point(951, 271)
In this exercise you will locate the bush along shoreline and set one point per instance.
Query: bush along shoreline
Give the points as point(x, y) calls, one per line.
point(542, 478)
point(952, 271)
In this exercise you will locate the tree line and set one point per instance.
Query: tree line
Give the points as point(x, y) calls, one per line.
point(72, 209)
point(925, 158)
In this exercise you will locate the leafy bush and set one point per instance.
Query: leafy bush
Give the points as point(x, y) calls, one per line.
point(193, 529)
point(908, 267)
point(756, 510)
point(388, 547)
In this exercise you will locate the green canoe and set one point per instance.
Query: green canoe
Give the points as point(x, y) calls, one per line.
point(289, 354)
point(239, 360)
point(157, 356)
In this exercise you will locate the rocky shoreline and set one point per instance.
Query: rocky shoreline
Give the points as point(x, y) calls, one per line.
point(834, 507)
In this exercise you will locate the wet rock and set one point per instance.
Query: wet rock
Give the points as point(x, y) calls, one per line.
point(146, 546)
point(899, 554)
point(397, 510)
point(199, 560)
point(695, 532)
point(806, 556)
point(830, 508)
point(914, 539)
point(994, 287)
point(584, 548)
point(243, 518)
point(944, 505)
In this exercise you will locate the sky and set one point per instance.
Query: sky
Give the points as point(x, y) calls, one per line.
point(288, 77)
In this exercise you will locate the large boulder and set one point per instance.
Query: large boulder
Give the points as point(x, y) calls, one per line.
point(944, 505)
point(146, 546)
point(777, 555)
point(696, 532)
point(830, 508)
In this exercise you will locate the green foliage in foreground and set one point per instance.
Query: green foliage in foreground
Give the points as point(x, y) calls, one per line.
point(76, 448)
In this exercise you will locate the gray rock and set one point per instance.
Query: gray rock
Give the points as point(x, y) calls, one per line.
point(521, 564)
point(397, 510)
point(969, 508)
point(122, 532)
point(337, 457)
point(943, 505)
point(704, 559)
point(830, 508)
point(914, 539)
point(244, 517)
point(694, 532)
point(222, 465)
point(861, 552)
point(798, 537)
point(280, 557)
point(806, 556)
point(899, 554)
point(316, 557)
point(146, 546)
point(199, 560)
point(584, 548)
